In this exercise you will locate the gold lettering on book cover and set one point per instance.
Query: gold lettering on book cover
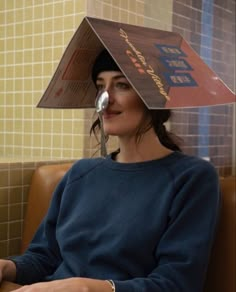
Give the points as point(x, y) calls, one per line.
point(149, 70)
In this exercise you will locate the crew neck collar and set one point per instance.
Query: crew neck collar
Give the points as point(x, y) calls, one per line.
point(110, 162)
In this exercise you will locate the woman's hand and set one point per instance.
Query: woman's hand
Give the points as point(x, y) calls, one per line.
point(7, 270)
point(69, 285)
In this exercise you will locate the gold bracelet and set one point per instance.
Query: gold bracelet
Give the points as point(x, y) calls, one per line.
point(113, 287)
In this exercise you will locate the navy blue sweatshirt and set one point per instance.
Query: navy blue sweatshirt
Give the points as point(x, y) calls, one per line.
point(148, 226)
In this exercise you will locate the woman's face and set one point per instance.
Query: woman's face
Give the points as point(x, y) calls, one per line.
point(125, 110)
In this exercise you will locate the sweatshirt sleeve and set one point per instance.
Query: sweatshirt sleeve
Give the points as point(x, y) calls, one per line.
point(42, 256)
point(183, 252)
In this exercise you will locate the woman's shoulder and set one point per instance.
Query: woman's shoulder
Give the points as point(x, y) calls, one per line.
point(83, 166)
point(184, 164)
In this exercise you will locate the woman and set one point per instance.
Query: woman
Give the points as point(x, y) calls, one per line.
point(141, 219)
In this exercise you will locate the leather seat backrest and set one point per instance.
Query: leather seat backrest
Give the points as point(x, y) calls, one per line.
point(221, 274)
point(43, 183)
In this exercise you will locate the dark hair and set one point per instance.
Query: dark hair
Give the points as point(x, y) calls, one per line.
point(157, 119)
point(168, 139)
point(103, 62)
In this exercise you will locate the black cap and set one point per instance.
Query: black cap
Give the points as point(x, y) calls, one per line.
point(103, 62)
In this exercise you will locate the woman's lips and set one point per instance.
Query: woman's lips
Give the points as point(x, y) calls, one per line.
point(110, 114)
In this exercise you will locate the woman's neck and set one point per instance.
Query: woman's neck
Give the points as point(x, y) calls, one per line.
point(147, 148)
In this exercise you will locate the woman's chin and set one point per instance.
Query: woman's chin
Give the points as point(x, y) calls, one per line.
point(112, 132)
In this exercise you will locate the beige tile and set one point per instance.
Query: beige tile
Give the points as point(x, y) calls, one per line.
point(58, 24)
point(10, 32)
point(14, 246)
point(80, 6)
point(3, 231)
point(47, 152)
point(18, 71)
point(28, 58)
point(115, 14)
point(78, 143)
point(124, 4)
point(58, 9)
point(132, 18)
point(4, 178)
point(20, 3)
point(25, 194)
point(28, 43)
point(10, 71)
point(3, 248)
point(15, 229)
point(132, 6)
point(67, 153)
point(38, 42)
point(140, 20)
point(140, 8)
point(27, 176)
point(47, 142)
point(28, 137)
point(38, 12)
point(19, 43)
point(15, 177)
point(18, 151)
point(15, 164)
point(9, 139)
point(25, 205)
point(15, 212)
point(28, 86)
point(36, 152)
point(48, 10)
point(106, 11)
point(123, 16)
point(2, 5)
point(15, 195)
point(48, 27)
point(28, 14)
point(4, 213)
point(4, 196)
point(19, 29)
point(37, 86)
point(10, 124)
point(10, 5)
point(28, 30)
point(19, 16)
point(28, 69)
point(57, 52)
point(69, 24)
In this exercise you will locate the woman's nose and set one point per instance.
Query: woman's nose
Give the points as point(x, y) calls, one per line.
point(111, 94)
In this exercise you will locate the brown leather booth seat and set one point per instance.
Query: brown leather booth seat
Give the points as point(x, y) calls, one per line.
point(221, 275)
point(44, 181)
point(222, 271)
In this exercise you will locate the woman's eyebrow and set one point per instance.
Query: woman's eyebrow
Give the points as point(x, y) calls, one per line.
point(114, 77)
point(118, 76)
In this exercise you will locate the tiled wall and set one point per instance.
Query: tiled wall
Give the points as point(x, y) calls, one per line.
point(15, 178)
point(33, 36)
point(209, 27)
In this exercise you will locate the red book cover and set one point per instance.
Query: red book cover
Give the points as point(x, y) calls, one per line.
point(163, 69)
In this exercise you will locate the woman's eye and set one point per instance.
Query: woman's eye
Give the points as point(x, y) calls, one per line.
point(122, 85)
point(100, 87)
